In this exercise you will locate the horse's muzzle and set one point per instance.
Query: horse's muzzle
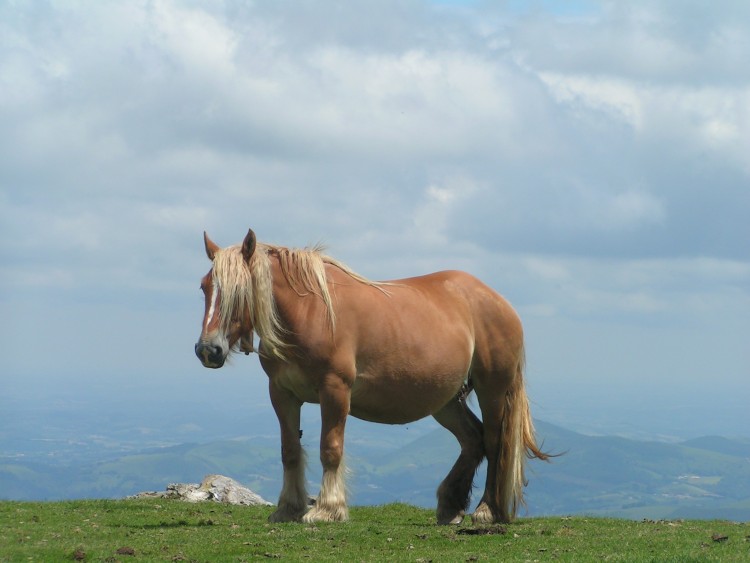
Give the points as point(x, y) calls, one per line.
point(210, 356)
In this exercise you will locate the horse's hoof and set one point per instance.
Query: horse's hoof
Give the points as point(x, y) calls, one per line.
point(447, 520)
point(282, 515)
point(330, 514)
point(483, 515)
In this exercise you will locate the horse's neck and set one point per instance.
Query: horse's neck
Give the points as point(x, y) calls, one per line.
point(284, 296)
point(290, 300)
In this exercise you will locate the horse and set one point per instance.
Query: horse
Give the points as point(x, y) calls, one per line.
point(389, 352)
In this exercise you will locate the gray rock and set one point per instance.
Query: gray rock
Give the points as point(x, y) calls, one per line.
point(214, 488)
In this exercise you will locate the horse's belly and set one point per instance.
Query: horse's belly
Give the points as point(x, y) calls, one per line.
point(402, 399)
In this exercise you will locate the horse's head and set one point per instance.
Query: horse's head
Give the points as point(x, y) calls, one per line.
point(225, 324)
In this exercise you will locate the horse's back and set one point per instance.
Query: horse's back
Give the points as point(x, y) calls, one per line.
point(495, 327)
point(426, 306)
point(461, 290)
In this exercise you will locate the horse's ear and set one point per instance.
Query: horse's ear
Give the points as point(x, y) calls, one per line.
point(248, 245)
point(211, 247)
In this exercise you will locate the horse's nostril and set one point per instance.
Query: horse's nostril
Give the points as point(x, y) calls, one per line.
point(204, 351)
point(210, 355)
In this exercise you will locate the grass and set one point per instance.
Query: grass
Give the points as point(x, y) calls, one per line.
point(168, 530)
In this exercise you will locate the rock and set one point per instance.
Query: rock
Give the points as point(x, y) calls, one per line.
point(215, 488)
point(227, 490)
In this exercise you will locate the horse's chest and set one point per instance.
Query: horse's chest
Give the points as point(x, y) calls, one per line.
point(297, 382)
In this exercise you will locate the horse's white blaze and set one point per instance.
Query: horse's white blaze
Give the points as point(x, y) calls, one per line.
point(212, 308)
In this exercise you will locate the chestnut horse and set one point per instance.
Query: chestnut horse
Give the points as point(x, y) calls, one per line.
point(388, 352)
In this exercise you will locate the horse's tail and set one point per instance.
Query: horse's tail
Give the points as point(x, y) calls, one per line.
point(518, 444)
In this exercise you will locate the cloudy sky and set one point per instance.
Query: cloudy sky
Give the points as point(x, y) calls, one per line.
point(589, 160)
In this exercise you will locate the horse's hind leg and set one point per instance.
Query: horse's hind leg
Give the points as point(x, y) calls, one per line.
point(453, 493)
point(489, 509)
point(503, 403)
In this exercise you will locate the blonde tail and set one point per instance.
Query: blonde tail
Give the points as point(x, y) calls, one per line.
point(518, 444)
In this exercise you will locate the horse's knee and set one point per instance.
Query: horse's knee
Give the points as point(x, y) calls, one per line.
point(292, 456)
point(331, 454)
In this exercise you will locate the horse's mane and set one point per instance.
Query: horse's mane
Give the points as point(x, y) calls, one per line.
point(251, 284)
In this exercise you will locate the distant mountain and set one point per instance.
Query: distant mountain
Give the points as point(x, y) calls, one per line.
point(702, 478)
point(736, 447)
point(598, 475)
point(247, 460)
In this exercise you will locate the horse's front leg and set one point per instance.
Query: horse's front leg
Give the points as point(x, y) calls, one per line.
point(293, 497)
point(330, 506)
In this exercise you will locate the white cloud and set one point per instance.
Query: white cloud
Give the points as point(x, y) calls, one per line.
point(591, 165)
point(549, 269)
point(431, 216)
point(618, 98)
point(708, 118)
point(230, 104)
point(196, 39)
point(631, 208)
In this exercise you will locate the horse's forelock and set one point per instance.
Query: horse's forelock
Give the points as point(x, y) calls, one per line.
point(232, 277)
point(249, 284)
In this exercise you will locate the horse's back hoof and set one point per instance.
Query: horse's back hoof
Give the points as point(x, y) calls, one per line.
point(483, 514)
point(447, 520)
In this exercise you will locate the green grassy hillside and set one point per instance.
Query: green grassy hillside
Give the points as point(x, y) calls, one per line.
point(161, 530)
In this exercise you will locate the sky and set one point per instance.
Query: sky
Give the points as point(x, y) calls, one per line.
point(589, 160)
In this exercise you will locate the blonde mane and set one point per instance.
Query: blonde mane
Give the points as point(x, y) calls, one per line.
point(251, 285)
